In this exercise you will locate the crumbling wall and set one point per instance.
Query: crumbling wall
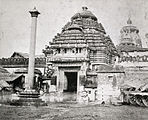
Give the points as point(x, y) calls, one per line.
point(109, 86)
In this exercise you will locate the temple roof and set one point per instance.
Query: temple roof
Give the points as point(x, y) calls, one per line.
point(106, 69)
point(129, 27)
point(2, 70)
point(3, 84)
point(83, 31)
point(20, 54)
point(24, 55)
point(9, 77)
point(130, 39)
point(131, 49)
point(85, 13)
point(6, 76)
point(25, 70)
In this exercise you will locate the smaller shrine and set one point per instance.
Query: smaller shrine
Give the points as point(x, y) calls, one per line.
point(133, 57)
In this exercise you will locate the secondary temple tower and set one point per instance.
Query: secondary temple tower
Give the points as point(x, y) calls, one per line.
point(133, 57)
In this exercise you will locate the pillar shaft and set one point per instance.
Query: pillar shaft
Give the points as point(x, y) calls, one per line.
point(29, 81)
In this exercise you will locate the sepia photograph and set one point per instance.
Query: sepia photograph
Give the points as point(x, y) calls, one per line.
point(73, 59)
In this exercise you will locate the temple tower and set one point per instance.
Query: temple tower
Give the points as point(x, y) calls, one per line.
point(133, 57)
point(82, 46)
point(130, 38)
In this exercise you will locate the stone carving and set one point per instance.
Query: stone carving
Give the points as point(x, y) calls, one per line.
point(21, 61)
point(134, 59)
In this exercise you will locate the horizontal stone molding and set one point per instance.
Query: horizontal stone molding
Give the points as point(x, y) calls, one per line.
point(21, 62)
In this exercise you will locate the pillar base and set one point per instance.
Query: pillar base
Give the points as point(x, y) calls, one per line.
point(28, 98)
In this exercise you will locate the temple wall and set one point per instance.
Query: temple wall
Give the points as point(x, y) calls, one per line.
point(59, 71)
point(98, 57)
point(80, 68)
point(109, 78)
point(136, 78)
point(108, 87)
point(102, 87)
point(135, 65)
point(13, 69)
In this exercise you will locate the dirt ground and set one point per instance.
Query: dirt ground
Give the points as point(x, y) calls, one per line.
point(71, 111)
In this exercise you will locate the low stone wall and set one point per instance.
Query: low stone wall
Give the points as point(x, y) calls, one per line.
point(5, 97)
point(52, 97)
point(103, 94)
point(83, 97)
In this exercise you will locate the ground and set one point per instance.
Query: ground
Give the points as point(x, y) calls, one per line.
point(71, 111)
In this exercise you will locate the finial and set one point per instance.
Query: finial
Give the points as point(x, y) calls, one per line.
point(129, 18)
point(34, 8)
point(129, 21)
point(84, 8)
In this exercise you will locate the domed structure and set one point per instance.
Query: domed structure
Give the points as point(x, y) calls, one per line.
point(78, 53)
point(83, 34)
point(130, 39)
point(85, 13)
point(133, 57)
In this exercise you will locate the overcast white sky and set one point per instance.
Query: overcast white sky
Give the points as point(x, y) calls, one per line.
point(15, 20)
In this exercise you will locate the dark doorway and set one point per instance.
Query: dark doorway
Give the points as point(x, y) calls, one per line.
point(71, 81)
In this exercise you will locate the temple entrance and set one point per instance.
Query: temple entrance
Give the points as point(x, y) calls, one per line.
point(70, 86)
point(70, 82)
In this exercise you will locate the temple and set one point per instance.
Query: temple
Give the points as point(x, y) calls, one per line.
point(82, 63)
point(133, 57)
point(82, 57)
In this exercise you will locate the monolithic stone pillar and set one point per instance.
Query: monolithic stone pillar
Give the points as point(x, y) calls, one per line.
point(29, 82)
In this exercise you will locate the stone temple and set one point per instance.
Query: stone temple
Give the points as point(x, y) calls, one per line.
point(82, 59)
point(133, 57)
point(82, 64)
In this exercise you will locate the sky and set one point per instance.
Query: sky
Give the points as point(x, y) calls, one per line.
point(15, 20)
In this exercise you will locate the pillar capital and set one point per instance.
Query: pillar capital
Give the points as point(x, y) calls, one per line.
point(34, 12)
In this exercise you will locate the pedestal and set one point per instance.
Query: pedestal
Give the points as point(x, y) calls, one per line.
point(28, 98)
